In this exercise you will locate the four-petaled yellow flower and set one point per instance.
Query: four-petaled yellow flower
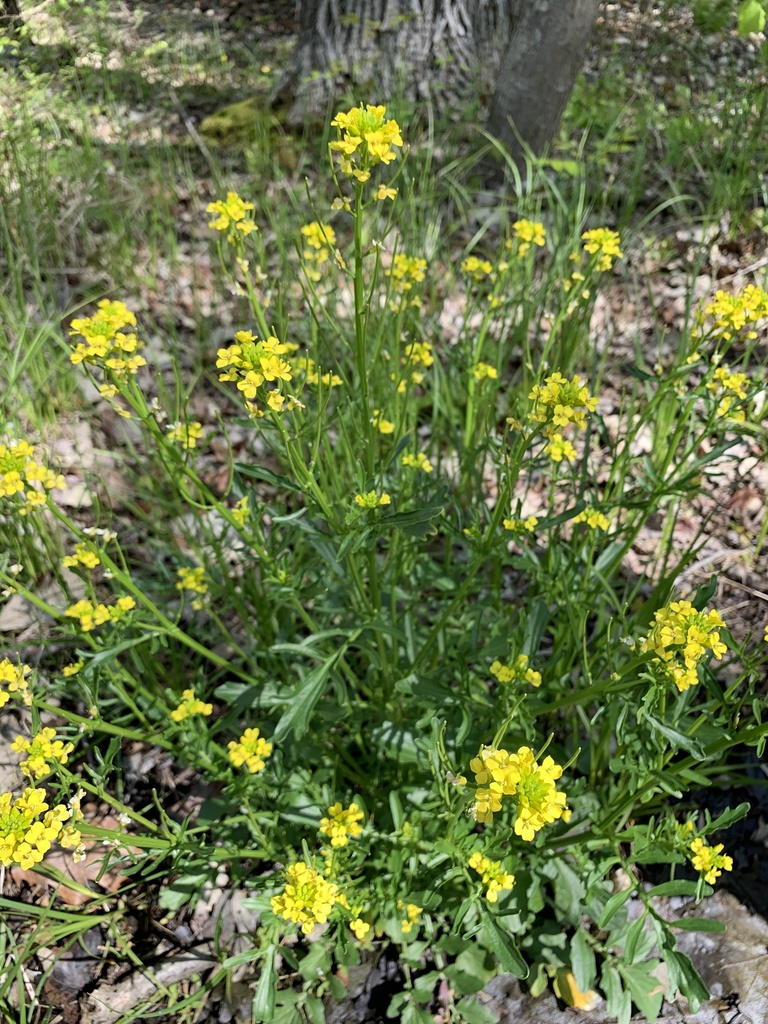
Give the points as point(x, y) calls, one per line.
point(528, 524)
point(23, 480)
point(41, 750)
point(307, 898)
point(412, 912)
point(82, 556)
point(360, 928)
point(729, 386)
point(710, 861)
point(418, 461)
point(605, 244)
point(484, 371)
point(28, 828)
point(91, 616)
point(365, 139)
point(106, 344)
point(382, 425)
point(476, 268)
point(516, 671)
point(13, 682)
point(493, 875)
point(372, 499)
point(250, 750)
point(342, 823)
point(528, 233)
point(232, 217)
point(594, 519)
point(190, 705)
point(185, 434)
point(680, 637)
point(530, 784)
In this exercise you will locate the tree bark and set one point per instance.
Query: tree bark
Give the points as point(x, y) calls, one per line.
point(538, 70)
point(424, 49)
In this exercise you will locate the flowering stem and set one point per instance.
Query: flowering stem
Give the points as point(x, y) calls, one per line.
point(360, 323)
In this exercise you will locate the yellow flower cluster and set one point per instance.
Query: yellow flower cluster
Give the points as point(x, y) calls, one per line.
point(383, 426)
point(72, 669)
point(405, 272)
point(558, 403)
point(605, 244)
point(527, 233)
point(185, 434)
point(192, 579)
point(41, 750)
point(412, 914)
point(91, 615)
point(528, 524)
point(680, 637)
point(530, 784)
point(342, 823)
point(365, 139)
point(232, 217)
point(28, 827)
point(308, 898)
point(21, 476)
point(484, 371)
point(372, 499)
point(82, 556)
point(516, 671)
point(251, 363)
point(418, 461)
point(476, 268)
point(727, 386)
point(594, 519)
point(710, 861)
point(731, 313)
point(320, 239)
point(311, 375)
point(417, 357)
point(493, 875)
point(13, 682)
point(250, 750)
point(190, 705)
point(105, 343)
point(242, 511)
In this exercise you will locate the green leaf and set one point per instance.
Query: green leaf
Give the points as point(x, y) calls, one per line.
point(751, 17)
point(619, 1001)
point(535, 623)
point(303, 702)
point(684, 976)
point(697, 924)
point(181, 890)
point(633, 938)
point(246, 957)
point(397, 743)
point(261, 473)
point(503, 948)
point(583, 961)
point(727, 818)
point(613, 906)
point(264, 1000)
point(419, 522)
point(646, 990)
point(676, 738)
point(472, 1012)
point(677, 888)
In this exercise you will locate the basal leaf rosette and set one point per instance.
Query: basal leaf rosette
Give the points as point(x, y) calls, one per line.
point(530, 785)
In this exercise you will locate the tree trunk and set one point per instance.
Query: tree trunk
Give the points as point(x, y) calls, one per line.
point(423, 49)
point(10, 15)
point(538, 70)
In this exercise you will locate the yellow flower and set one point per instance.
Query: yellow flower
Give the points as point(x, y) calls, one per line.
point(476, 268)
point(413, 913)
point(559, 448)
point(192, 580)
point(91, 615)
point(241, 512)
point(418, 461)
point(372, 499)
point(307, 898)
point(560, 401)
point(365, 139)
point(73, 668)
point(484, 371)
point(105, 343)
point(406, 271)
point(710, 861)
point(604, 243)
point(360, 928)
point(250, 750)
point(493, 875)
point(731, 313)
point(41, 750)
point(13, 682)
point(594, 519)
point(516, 671)
point(232, 217)
point(185, 434)
point(28, 828)
point(528, 233)
point(383, 426)
point(341, 824)
point(519, 775)
point(679, 638)
point(319, 235)
point(528, 524)
point(384, 192)
point(82, 556)
point(19, 471)
point(190, 705)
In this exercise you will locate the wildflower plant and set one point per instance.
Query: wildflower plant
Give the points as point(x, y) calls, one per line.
point(408, 691)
